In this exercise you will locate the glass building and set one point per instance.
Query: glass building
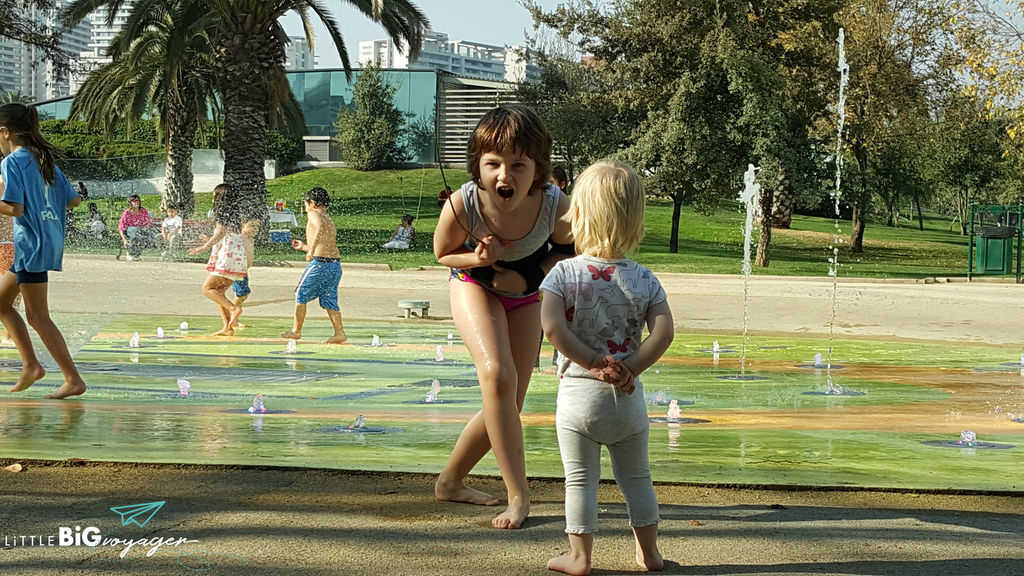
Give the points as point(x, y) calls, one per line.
point(431, 101)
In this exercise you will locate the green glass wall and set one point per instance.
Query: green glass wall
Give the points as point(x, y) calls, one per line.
point(323, 93)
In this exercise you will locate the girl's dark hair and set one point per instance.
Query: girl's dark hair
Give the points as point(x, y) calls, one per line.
point(23, 123)
point(511, 128)
point(225, 207)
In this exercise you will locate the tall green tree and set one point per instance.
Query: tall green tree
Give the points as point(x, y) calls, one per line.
point(17, 22)
point(901, 62)
point(712, 85)
point(370, 132)
point(573, 101)
point(165, 69)
point(967, 155)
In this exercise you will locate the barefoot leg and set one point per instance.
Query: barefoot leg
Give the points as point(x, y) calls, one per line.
point(575, 562)
point(484, 325)
point(31, 370)
point(339, 331)
point(38, 313)
point(214, 288)
point(647, 555)
point(300, 319)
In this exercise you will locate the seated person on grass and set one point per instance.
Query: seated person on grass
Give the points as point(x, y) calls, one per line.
point(403, 236)
point(135, 227)
point(170, 232)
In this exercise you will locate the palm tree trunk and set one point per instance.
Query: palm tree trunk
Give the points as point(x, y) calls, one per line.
point(182, 124)
point(783, 201)
point(243, 60)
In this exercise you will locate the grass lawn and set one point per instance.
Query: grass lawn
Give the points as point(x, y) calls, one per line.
point(367, 206)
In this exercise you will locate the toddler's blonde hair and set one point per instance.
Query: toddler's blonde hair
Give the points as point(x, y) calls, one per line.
point(607, 207)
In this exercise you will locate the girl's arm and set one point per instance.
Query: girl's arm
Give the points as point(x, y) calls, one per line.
point(561, 235)
point(552, 319)
point(12, 210)
point(659, 323)
point(219, 232)
point(450, 238)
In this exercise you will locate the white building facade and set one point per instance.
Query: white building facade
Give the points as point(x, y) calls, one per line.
point(96, 52)
point(298, 55)
point(460, 57)
point(26, 70)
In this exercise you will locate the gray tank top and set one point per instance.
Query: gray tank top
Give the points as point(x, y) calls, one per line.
point(523, 247)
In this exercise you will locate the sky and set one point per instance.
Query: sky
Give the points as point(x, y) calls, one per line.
point(496, 22)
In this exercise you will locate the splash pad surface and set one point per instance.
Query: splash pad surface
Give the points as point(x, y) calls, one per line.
point(758, 432)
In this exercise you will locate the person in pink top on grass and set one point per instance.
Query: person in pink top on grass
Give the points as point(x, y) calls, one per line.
point(134, 227)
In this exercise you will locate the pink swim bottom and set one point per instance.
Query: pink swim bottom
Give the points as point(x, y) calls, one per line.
point(509, 303)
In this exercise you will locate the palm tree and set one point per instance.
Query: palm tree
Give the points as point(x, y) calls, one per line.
point(165, 68)
point(14, 97)
point(249, 67)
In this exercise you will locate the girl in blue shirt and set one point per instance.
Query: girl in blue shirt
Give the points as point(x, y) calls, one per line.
point(36, 194)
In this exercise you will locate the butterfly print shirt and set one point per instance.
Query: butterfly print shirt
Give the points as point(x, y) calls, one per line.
point(606, 303)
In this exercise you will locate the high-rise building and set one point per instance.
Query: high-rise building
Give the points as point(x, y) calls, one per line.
point(96, 52)
point(298, 55)
point(25, 69)
point(460, 57)
point(10, 65)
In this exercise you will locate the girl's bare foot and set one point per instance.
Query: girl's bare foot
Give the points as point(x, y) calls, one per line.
point(513, 516)
point(336, 339)
point(225, 332)
point(459, 492)
point(572, 562)
point(289, 335)
point(29, 376)
point(240, 326)
point(73, 388)
point(652, 562)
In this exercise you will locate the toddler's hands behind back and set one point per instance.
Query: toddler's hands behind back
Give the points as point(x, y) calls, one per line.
point(614, 372)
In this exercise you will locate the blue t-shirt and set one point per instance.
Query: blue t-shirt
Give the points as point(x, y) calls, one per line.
point(39, 231)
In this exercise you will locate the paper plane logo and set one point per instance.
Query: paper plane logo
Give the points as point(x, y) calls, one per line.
point(138, 514)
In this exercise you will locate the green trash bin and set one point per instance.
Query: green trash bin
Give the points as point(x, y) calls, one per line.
point(993, 250)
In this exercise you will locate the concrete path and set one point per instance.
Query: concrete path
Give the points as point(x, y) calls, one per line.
point(259, 521)
point(255, 522)
point(978, 312)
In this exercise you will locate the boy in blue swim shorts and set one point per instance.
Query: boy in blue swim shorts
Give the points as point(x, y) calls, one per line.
point(322, 275)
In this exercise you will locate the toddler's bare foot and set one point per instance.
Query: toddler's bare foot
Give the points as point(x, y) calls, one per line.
point(459, 492)
point(225, 332)
point(289, 335)
point(72, 388)
point(337, 339)
point(652, 562)
point(513, 516)
point(29, 376)
point(570, 563)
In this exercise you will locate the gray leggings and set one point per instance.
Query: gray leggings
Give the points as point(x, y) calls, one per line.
point(590, 415)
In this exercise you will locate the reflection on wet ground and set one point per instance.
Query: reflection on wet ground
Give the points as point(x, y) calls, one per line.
point(759, 431)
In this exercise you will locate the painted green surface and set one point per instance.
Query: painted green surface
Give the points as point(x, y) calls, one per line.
point(132, 411)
